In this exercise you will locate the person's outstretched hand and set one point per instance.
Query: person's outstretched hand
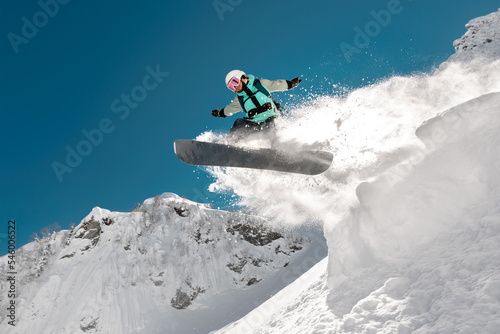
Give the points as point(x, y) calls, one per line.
point(294, 82)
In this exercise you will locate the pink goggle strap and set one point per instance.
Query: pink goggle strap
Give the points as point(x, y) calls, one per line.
point(235, 81)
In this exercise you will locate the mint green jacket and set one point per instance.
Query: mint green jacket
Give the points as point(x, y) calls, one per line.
point(245, 103)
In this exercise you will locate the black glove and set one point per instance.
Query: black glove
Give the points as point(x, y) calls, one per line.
point(293, 83)
point(218, 113)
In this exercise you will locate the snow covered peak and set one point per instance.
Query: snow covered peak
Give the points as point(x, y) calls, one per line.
point(175, 198)
point(481, 39)
point(118, 272)
point(97, 213)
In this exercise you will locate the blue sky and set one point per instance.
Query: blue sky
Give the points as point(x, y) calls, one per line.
point(116, 82)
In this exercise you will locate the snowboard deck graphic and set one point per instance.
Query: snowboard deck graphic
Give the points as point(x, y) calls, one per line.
point(308, 162)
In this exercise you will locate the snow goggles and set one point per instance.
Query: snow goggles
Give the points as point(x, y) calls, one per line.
point(235, 81)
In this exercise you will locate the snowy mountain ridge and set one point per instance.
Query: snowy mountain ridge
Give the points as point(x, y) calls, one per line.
point(118, 272)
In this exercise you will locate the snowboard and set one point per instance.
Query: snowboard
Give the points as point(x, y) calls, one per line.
point(308, 162)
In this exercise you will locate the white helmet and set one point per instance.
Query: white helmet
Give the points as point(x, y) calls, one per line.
point(232, 74)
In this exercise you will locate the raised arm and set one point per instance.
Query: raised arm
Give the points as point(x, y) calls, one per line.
point(280, 85)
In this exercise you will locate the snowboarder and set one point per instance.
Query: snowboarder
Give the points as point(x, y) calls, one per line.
point(253, 96)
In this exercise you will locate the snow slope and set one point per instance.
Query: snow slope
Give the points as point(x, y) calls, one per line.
point(420, 253)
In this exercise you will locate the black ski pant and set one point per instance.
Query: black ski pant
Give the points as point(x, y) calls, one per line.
point(243, 127)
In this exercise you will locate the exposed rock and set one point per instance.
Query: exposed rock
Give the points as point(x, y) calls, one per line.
point(182, 299)
point(256, 235)
point(181, 212)
point(90, 230)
